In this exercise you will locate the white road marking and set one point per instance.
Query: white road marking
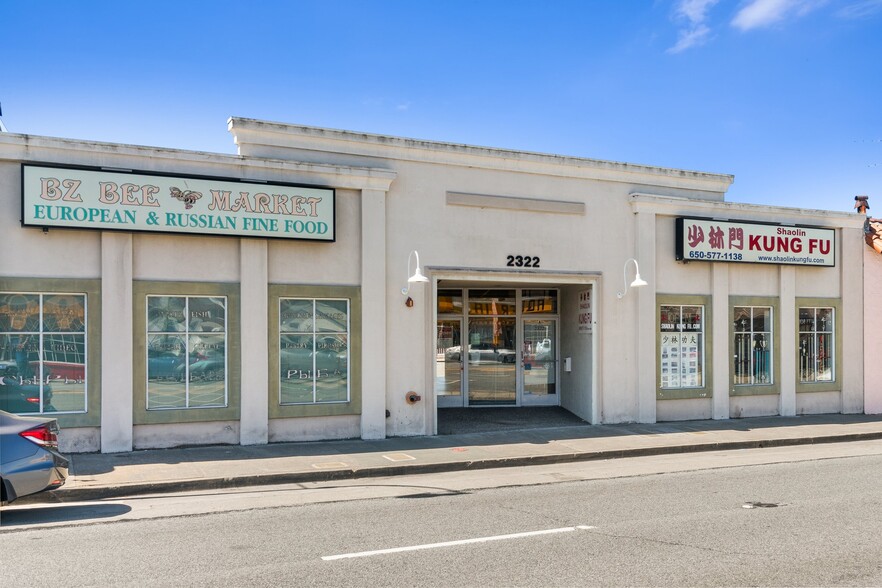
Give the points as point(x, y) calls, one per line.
point(399, 457)
point(459, 542)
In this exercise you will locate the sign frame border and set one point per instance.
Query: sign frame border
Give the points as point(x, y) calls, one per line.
point(678, 240)
point(160, 174)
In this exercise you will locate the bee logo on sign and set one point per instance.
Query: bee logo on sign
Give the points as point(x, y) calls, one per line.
point(188, 197)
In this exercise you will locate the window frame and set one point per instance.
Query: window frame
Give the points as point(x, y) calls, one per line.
point(141, 289)
point(187, 333)
point(834, 385)
point(353, 406)
point(775, 355)
point(701, 392)
point(91, 289)
point(314, 333)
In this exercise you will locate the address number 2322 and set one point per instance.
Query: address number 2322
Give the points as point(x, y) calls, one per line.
point(522, 261)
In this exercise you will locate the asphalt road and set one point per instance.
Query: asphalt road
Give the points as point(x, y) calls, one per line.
point(815, 520)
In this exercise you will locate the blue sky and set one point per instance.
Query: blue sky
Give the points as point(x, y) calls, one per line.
point(784, 94)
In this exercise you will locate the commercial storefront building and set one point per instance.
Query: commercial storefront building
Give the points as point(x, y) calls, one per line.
point(157, 297)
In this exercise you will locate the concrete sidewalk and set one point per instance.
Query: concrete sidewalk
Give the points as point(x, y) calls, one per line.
point(97, 476)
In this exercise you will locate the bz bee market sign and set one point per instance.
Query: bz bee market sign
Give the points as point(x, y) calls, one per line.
point(121, 200)
point(702, 239)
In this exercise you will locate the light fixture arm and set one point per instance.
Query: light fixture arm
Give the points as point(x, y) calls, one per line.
point(417, 274)
point(638, 281)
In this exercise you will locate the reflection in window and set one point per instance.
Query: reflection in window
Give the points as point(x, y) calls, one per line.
point(449, 301)
point(492, 302)
point(313, 350)
point(186, 352)
point(448, 358)
point(42, 352)
point(753, 345)
point(816, 360)
point(681, 334)
point(539, 353)
point(539, 302)
point(492, 357)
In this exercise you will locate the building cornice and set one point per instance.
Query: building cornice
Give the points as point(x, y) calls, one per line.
point(24, 148)
point(256, 135)
point(739, 211)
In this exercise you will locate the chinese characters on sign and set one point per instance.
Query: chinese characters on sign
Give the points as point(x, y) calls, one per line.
point(682, 346)
point(585, 311)
point(713, 240)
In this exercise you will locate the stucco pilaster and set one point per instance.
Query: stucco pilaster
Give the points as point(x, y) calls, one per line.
point(852, 371)
point(373, 300)
point(116, 342)
point(872, 331)
point(721, 351)
point(787, 406)
point(254, 425)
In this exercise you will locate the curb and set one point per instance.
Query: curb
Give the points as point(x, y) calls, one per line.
point(193, 485)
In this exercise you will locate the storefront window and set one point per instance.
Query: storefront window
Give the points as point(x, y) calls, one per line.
point(186, 352)
point(539, 302)
point(682, 346)
point(816, 344)
point(449, 301)
point(492, 302)
point(753, 345)
point(42, 353)
point(313, 350)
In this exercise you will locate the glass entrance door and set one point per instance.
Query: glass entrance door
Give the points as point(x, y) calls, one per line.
point(539, 362)
point(496, 347)
point(492, 361)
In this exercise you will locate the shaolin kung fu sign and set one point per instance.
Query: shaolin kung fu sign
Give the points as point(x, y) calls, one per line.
point(121, 200)
point(703, 239)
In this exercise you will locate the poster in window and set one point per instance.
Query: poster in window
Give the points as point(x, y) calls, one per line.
point(680, 332)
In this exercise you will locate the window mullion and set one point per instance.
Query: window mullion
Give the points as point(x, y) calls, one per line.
point(40, 358)
point(314, 349)
point(186, 352)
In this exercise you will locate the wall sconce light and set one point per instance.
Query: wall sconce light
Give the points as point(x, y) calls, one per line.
point(416, 277)
point(638, 281)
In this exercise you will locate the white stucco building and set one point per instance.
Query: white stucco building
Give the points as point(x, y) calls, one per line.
point(154, 297)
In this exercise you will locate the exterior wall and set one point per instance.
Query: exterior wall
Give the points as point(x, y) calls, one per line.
point(308, 262)
point(872, 331)
point(451, 236)
point(577, 386)
point(74, 254)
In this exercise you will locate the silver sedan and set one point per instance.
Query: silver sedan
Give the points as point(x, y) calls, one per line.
point(29, 459)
